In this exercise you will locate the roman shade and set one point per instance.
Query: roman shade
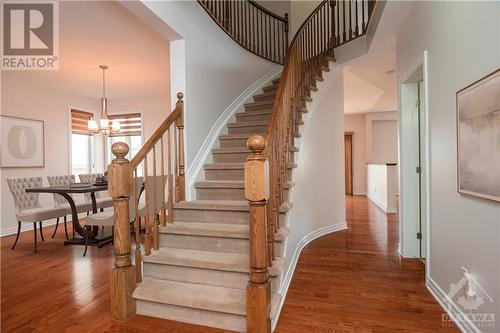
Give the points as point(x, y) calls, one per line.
point(79, 121)
point(130, 124)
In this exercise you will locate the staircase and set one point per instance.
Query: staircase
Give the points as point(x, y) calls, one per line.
point(200, 273)
point(219, 260)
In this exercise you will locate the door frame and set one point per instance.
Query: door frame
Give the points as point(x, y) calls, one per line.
point(349, 134)
point(409, 247)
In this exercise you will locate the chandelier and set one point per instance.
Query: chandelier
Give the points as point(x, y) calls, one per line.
point(105, 125)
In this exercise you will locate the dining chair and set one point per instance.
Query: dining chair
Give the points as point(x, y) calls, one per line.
point(102, 201)
point(107, 218)
point(61, 202)
point(28, 208)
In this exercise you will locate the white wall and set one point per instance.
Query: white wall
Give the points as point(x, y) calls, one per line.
point(217, 68)
point(22, 98)
point(382, 144)
point(383, 186)
point(318, 195)
point(356, 124)
point(279, 7)
point(463, 43)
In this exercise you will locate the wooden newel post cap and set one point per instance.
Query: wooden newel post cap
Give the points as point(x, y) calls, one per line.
point(256, 144)
point(120, 150)
point(180, 96)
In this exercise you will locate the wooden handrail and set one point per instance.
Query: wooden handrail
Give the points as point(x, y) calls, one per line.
point(252, 26)
point(311, 49)
point(124, 183)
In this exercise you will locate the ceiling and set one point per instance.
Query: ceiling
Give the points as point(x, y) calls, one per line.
point(94, 33)
point(370, 81)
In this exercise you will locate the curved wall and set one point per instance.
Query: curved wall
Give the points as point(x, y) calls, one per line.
point(217, 69)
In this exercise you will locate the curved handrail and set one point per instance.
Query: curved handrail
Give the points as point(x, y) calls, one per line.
point(252, 26)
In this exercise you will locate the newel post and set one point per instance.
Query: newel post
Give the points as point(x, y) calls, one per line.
point(257, 193)
point(181, 178)
point(120, 188)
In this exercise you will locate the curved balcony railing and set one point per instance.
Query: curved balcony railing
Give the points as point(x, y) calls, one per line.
point(252, 26)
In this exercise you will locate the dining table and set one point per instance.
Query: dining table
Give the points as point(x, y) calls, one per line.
point(86, 235)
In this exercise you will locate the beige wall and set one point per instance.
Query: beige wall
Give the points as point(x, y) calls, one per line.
point(279, 7)
point(355, 123)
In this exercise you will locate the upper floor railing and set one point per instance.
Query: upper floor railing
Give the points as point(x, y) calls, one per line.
point(252, 26)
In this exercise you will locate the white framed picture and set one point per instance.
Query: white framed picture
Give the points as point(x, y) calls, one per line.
point(478, 138)
point(22, 144)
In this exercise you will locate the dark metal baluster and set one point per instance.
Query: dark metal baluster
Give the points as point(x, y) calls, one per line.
point(344, 31)
point(357, 20)
point(350, 19)
point(363, 25)
point(246, 23)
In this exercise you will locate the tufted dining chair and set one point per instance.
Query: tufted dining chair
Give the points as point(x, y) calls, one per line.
point(28, 208)
point(103, 201)
point(61, 202)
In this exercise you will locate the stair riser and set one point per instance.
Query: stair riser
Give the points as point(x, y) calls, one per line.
point(216, 244)
point(270, 88)
point(230, 157)
point(233, 143)
point(225, 194)
point(216, 216)
point(229, 174)
point(238, 157)
point(212, 277)
point(248, 116)
point(264, 98)
point(247, 129)
point(264, 107)
point(226, 321)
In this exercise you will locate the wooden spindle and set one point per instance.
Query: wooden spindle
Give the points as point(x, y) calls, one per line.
point(147, 217)
point(181, 181)
point(123, 276)
point(170, 179)
point(163, 212)
point(155, 220)
point(257, 192)
point(137, 232)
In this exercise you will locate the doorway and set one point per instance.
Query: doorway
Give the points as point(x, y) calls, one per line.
point(414, 197)
point(348, 163)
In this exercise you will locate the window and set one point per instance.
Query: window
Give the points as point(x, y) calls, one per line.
point(82, 149)
point(130, 133)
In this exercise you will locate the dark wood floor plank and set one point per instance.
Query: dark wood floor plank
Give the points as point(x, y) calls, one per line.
point(349, 281)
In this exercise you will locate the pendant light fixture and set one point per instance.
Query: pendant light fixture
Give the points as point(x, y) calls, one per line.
point(105, 125)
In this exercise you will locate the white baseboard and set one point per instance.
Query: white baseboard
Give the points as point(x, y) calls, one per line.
point(389, 210)
point(358, 192)
point(26, 226)
point(202, 155)
point(293, 262)
point(451, 308)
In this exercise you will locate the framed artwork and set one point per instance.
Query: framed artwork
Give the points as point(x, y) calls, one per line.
point(23, 143)
point(478, 138)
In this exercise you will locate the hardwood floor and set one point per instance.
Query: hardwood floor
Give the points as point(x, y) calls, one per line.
point(349, 281)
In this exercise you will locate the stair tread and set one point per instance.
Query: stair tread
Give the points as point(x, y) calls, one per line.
point(230, 205)
point(233, 262)
point(197, 296)
point(226, 230)
point(249, 123)
point(239, 136)
point(234, 166)
point(259, 103)
point(220, 184)
point(254, 113)
point(231, 150)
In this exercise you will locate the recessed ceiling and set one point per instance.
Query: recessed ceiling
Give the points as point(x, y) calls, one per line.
point(370, 81)
point(94, 33)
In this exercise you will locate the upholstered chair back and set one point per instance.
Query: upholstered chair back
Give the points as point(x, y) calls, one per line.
point(60, 181)
point(89, 178)
point(23, 200)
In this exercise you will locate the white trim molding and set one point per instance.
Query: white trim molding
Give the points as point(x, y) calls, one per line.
point(386, 209)
point(196, 166)
point(287, 279)
point(451, 308)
